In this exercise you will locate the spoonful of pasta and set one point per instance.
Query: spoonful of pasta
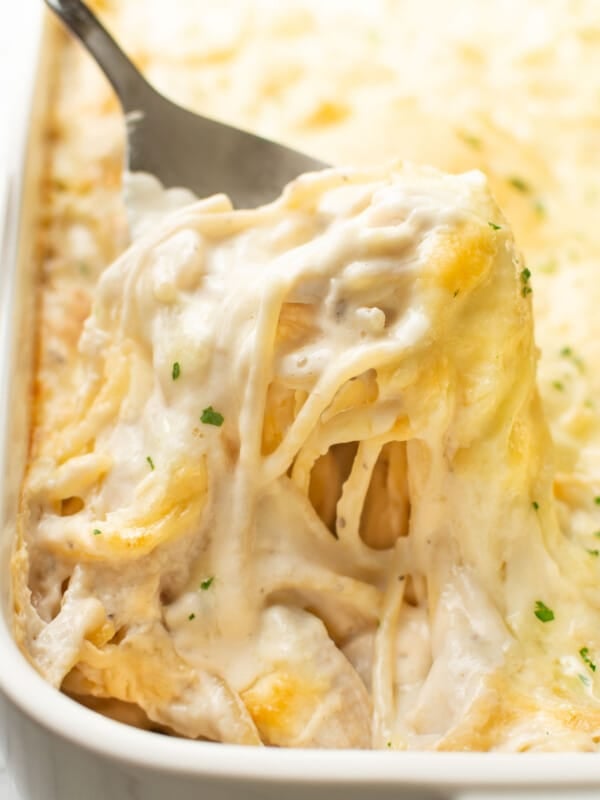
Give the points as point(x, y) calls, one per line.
point(181, 149)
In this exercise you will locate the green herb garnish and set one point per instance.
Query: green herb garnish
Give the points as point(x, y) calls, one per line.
point(192, 616)
point(473, 141)
point(595, 553)
point(597, 500)
point(149, 460)
point(542, 612)
point(567, 352)
point(525, 276)
point(519, 184)
point(211, 417)
point(176, 371)
point(560, 387)
point(97, 532)
point(585, 655)
point(535, 505)
point(494, 227)
point(207, 583)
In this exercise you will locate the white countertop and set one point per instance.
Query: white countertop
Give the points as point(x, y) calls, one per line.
point(4, 786)
point(6, 791)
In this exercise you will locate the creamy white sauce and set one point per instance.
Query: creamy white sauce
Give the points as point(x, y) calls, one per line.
point(387, 79)
point(148, 202)
point(350, 310)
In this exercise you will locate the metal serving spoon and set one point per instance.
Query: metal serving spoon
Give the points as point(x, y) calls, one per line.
point(180, 148)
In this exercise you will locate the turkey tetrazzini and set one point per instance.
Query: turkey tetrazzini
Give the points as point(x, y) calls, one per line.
point(301, 492)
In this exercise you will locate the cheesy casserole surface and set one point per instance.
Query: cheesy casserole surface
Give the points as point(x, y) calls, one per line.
point(299, 475)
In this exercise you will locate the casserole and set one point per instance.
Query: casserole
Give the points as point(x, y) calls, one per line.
point(149, 765)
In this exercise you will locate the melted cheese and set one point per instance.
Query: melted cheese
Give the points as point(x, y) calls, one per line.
point(368, 341)
point(386, 308)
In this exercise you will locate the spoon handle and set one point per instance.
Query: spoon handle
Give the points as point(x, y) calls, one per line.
point(129, 84)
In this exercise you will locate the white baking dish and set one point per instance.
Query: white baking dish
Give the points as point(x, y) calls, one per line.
point(59, 750)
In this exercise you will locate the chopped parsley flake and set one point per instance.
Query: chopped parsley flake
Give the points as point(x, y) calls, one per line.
point(207, 583)
point(389, 744)
point(192, 616)
point(211, 417)
point(597, 534)
point(594, 552)
point(149, 460)
point(535, 505)
point(567, 352)
point(585, 655)
point(495, 227)
point(539, 208)
point(456, 292)
point(97, 532)
point(525, 276)
point(473, 141)
point(542, 612)
point(519, 184)
point(560, 387)
point(176, 371)
point(597, 500)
